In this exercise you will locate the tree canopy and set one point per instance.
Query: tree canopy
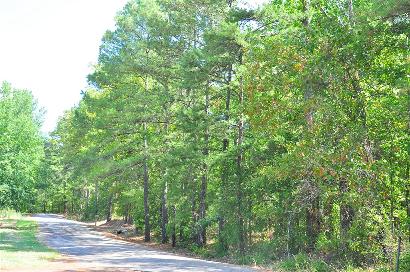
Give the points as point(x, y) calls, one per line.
point(21, 148)
point(263, 134)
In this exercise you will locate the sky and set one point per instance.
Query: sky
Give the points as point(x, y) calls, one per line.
point(50, 46)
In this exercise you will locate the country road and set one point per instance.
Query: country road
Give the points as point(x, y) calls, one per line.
point(95, 251)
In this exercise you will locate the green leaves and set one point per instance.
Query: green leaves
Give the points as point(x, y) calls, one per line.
point(21, 147)
point(283, 129)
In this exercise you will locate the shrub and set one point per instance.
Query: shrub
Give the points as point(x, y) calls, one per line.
point(301, 262)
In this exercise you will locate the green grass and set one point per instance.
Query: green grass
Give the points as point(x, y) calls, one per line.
point(19, 247)
point(9, 214)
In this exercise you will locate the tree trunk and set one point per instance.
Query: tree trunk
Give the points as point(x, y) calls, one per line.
point(204, 178)
point(351, 13)
point(346, 213)
point(173, 231)
point(407, 178)
point(65, 204)
point(239, 173)
point(109, 208)
point(164, 214)
point(221, 235)
point(224, 175)
point(288, 234)
point(87, 201)
point(147, 230)
point(391, 178)
point(312, 210)
point(225, 142)
point(181, 231)
point(96, 204)
point(249, 225)
point(194, 215)
point(73, 201)
point(313, 222)
point(126, 211)
point(407, 198)
point(398, 254)
point(202, 208)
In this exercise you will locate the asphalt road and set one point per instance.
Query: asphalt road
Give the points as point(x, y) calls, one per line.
point(95, 251)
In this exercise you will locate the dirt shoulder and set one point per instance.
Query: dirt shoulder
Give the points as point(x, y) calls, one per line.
point(94, 250)
point(127, 233)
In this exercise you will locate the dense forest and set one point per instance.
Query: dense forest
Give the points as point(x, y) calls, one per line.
point(262, 134)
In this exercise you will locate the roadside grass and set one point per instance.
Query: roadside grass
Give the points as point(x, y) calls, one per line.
point(19, 247)
point(9, 214)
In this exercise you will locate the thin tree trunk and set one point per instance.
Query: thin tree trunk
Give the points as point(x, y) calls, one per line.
point(73, 201)
point(164, 205)
point(87, 200)
point(407, 178)
point(96, 204)
point(126, 212)
point(313, 222)
point(173, 231)
point(65, 204)
point(225, 142)
point(398, 254)
point(204, 178)
point(202, 208)
point(224, 175)
point(181, 231)
point(351, 13)
point(391, 174)
point(164, 214)
point(288, 235)
point(346, 212)
point(239, 172)
point(109, 208)
point(407, 198)
point(147, 230)
point(312, 210)
point(249, 225)
point(194, 215)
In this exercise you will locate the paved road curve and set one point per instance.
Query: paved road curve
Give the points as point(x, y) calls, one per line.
point(96, 251)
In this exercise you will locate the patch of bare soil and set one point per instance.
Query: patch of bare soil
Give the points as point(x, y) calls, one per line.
point(8, 225)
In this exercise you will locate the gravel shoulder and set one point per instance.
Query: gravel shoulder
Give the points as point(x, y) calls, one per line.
point(94, 251)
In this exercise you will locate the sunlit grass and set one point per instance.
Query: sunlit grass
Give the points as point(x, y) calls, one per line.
point(19, 247)
point(9, 214)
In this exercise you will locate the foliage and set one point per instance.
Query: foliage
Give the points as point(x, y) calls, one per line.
point(260, 134)
point(21, 148)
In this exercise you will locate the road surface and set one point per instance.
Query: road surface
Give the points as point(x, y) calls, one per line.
point(95, 251)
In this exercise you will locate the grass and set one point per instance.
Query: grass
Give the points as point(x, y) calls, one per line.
point(19, 247)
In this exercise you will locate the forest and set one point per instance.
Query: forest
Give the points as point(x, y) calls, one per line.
point(280, 133)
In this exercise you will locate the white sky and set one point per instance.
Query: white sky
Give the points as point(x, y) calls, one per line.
point(49, 46)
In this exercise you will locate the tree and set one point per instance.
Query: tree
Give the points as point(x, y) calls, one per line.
point(21, 148)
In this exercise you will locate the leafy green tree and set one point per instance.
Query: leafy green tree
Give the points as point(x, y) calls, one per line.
point(262, 134)
point(21, 148)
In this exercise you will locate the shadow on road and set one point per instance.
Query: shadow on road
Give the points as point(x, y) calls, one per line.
point(75, 239)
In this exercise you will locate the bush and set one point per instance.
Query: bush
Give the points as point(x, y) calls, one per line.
point(301, 262)
point(320, 266)
point(405, 262)
point(261, 253)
